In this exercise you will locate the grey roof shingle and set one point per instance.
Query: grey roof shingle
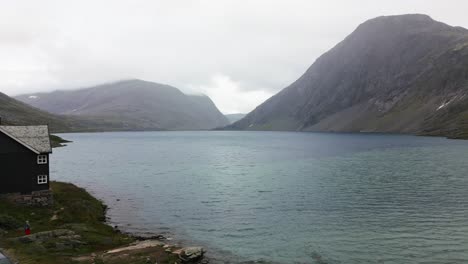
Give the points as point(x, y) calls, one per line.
point(35, 138)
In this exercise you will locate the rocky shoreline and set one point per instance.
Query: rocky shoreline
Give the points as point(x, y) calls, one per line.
point(186, 254)
point(192, 254)
point(149, 248)
point(74, 230)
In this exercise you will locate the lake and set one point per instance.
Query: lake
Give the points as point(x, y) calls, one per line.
point(281, 197)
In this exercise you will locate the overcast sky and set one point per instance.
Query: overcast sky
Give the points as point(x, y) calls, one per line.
point(237, 52)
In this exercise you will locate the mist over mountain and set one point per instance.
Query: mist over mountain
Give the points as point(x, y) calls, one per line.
point(14, 112)
point(404, 74)
point(234, 117)
point(134, 105)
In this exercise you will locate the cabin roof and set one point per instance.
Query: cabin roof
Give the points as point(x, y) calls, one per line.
point(35, 138)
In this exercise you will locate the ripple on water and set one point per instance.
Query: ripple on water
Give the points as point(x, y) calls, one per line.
point(282, 197)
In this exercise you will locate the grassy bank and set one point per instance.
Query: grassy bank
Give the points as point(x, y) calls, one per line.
point(57, 141)
point(80, 217)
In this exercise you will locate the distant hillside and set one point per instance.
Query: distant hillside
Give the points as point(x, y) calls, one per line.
point(405, 74)
point(14, 112)
point(234, 117)
point(134, 105)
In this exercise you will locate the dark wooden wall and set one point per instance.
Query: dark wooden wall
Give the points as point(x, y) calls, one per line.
point(19, 168)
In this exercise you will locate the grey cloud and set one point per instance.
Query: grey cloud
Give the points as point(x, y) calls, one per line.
point(248, 49)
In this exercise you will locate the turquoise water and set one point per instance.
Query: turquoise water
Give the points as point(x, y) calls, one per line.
point(282, 197)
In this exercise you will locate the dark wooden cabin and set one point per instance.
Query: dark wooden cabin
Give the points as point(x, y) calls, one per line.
point(24, 159)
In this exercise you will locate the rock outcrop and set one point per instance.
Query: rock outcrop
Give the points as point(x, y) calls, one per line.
point(191, 254)
point(61, 238)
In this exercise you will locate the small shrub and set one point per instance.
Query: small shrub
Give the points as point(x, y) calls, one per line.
point(8, 222)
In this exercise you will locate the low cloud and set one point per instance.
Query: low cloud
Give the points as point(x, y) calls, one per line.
point(227, 94)
point(259, 46)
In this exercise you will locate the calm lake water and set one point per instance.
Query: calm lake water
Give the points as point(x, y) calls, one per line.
point(282, 197)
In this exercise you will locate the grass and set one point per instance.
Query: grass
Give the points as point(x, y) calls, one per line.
point(74, 209)
point(57, 141)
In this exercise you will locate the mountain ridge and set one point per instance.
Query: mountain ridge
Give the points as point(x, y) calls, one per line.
point(391, 74)
point(136, 104)
point(14, 112)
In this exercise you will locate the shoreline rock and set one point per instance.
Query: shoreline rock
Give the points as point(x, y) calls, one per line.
point(191, 254)
point(185, 255)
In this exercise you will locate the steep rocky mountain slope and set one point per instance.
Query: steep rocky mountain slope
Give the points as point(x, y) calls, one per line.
point(405, 74)
point(134, 104)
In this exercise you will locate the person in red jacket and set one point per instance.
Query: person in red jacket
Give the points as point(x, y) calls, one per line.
point(27, 228)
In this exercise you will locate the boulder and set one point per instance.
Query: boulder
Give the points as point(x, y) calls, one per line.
point(191, 254)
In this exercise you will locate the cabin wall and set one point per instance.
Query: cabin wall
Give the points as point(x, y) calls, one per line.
point(19, 168)
point(40, 169)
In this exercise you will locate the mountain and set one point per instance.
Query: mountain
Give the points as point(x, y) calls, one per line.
point(14, 112)
point(404, 74)
point(234, 117)
point(134, 104)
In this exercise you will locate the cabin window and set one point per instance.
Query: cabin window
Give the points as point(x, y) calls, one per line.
point(42, 159)
point(42, 179)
